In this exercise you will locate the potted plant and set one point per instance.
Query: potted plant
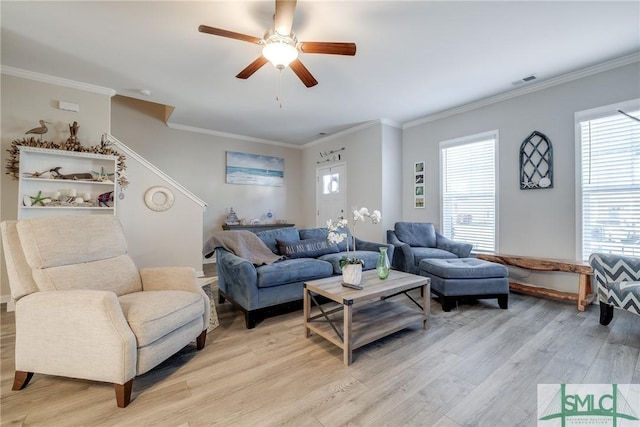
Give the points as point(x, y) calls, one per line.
point(351, 266)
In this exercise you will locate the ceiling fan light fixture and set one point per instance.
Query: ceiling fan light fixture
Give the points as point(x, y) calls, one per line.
point(280, 51)
point(280, 45)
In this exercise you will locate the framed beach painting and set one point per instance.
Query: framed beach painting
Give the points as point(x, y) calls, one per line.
point(254, 169)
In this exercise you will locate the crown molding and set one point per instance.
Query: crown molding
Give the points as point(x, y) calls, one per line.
point(354, 129)
point(194, 129)
point(535, 87)
point(392, 123)
point(45, 78)
point(538, 86)
point(340, 134)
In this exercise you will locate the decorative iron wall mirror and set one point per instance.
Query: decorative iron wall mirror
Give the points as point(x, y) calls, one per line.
point(536, 162)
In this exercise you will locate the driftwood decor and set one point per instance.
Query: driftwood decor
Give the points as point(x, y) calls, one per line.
point(71, 144)
point(584, 297)
point(536, 162)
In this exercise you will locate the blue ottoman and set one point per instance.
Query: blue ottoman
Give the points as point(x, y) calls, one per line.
point(456, 278)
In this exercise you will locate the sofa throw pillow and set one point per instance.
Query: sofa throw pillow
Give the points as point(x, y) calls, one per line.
point(269, 237)
point(316, 233)
point(309, 248)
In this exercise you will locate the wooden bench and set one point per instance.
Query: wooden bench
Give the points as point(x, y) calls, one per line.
point(584, 297)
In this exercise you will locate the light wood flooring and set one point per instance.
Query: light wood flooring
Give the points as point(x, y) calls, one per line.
point(477, 365)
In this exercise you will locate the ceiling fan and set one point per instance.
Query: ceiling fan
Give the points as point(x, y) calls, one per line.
point(281, 47)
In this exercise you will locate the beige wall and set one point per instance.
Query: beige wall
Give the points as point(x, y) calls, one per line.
point(159, 239)
point(372, 155)
point(530, 222)
point(23, 103)
point(391, 177)
point(198, 162)
point(379, 159)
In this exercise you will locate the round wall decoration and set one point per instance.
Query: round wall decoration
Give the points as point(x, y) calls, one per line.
point(158, 198)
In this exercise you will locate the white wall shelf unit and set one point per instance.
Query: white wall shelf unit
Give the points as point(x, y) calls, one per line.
point(49, 194)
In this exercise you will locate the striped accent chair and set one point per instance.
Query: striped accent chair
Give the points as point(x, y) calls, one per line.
point(618, 281)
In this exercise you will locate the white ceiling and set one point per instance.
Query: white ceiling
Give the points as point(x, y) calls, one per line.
point(414, 58)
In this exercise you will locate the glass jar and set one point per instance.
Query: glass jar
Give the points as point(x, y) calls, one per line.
point(383, 266)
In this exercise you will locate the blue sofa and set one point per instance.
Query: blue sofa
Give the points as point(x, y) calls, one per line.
point(267, 290)
point(415, 241)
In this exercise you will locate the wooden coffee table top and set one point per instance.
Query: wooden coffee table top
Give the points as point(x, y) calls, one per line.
point(352, 326)
point(373, 286)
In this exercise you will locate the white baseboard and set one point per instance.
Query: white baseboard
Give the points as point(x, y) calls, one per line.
point(211, 260)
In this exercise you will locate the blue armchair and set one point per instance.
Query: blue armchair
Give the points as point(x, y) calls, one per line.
point(618, 281)
point(415, 241)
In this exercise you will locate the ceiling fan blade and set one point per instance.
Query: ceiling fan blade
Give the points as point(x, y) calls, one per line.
point(252, 68)
point(329, 48)
point(285, 11)
point(304, 74)
point(228, 34)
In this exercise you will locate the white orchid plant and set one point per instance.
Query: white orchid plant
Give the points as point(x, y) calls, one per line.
point(337, 231)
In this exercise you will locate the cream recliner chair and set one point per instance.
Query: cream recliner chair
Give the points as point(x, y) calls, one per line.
point(83, 309)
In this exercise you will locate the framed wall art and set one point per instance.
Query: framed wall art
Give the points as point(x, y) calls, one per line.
point(418, 180)
point(536, 162)
point(254, 169)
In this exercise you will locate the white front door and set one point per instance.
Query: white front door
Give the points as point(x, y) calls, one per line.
point(331, 193)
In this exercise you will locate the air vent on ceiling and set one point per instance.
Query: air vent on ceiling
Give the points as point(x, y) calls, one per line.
point(524, 80)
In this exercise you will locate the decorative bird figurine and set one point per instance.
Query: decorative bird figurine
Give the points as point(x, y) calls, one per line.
point(40, 130)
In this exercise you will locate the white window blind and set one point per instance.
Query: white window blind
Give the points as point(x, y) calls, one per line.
point(468, 188)
point(610, 169)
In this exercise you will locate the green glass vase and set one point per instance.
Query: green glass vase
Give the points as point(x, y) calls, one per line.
point(383, 266)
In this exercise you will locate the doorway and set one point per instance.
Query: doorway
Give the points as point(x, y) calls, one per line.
point(331, 193)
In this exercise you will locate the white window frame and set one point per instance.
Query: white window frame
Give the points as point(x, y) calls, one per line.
point(495, 135)
point(582, 116)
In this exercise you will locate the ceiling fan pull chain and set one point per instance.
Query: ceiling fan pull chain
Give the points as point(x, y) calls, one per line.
point(279, 94)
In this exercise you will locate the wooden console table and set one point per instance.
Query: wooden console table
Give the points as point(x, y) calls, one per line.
point(256, 227)
point(584, 297)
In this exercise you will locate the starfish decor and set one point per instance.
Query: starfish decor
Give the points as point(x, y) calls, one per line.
point(37, 200)
point(102, 175)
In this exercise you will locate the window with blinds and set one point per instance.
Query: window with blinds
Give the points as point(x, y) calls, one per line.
point(468, 190)
point(610, 183)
